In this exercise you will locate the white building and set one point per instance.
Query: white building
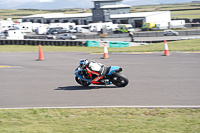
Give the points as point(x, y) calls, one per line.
point(79, 18)
point(137, 19)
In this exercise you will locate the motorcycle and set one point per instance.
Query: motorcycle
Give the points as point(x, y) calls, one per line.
point(85, 77)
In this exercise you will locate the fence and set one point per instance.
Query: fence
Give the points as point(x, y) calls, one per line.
point(122, 35)
point(37, 39)
point(158, 34)
point(42, 42)
point(139, 34)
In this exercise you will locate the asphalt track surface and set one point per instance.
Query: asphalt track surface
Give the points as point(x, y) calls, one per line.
point(154, 80)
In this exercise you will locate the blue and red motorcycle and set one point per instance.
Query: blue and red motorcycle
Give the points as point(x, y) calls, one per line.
point(85, 77)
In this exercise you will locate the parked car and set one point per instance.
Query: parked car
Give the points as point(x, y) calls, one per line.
point(67, 36)
point(170, 33)
point(58, 30)
point(2, 35)
point(51, 37)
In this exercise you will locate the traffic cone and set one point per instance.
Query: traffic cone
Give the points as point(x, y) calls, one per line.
point(166, 52)
point(41, 57)
point(105, 52)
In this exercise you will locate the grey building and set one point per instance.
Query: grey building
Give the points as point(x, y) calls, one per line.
point(104, 11)
point(104, 8)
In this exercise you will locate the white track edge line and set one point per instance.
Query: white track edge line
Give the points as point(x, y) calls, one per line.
point(85, 107)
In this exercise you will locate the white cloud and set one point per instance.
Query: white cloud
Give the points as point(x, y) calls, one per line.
point(46, 0)
point(25, 1)
point(10, 1)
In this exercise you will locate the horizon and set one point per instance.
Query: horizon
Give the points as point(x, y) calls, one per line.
point(84, 4)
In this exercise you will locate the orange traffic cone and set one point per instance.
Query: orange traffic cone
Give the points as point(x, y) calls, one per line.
point(105, 52)
point(166, 52)
point(41, 57)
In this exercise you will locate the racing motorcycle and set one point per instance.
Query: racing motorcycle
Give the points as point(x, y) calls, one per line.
point(85, 77)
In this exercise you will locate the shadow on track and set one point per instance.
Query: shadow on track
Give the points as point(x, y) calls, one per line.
point(83, 88)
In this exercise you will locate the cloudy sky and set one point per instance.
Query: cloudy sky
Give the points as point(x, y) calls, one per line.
point(61, 4)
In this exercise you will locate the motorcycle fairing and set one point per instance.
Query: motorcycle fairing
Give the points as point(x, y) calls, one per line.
point(77, 73)
point(94, 81)
point(114, 69)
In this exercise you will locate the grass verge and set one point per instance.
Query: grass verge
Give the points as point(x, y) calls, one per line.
point(103, 120)
point(183, 45)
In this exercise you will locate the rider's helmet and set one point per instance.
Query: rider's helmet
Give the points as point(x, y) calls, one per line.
point(84, 62)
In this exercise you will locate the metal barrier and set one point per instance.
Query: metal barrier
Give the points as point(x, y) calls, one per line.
point(42, 42)
point(139, 34)
point(122, 35)
point(158, 33)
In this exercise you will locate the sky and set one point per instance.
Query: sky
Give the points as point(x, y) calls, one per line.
point(62, 4)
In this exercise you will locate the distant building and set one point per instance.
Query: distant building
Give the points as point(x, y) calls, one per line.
point(103, 11)
point(137, 19)
point(104, 8)
point(78, 19)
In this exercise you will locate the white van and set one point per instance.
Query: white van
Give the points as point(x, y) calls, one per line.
point(95, 27)
point(80, 29)
point(14, 34)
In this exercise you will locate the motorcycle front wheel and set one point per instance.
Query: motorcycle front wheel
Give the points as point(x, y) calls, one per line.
point(119, 80)
point(82, 82)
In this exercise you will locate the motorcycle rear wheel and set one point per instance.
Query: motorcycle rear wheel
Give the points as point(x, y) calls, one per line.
point(119, 80)
point(82, 82)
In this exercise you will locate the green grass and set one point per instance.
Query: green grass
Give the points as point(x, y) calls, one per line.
point(18, 13)
point(172, 7)
point(183, 45)
point(187, 9)
point(14, 13)
point(103, 120)
point(186, 14)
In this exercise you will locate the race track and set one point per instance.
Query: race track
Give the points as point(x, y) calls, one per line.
point(155, 80)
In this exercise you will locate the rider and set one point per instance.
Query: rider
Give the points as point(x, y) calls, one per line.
point(94, 68)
